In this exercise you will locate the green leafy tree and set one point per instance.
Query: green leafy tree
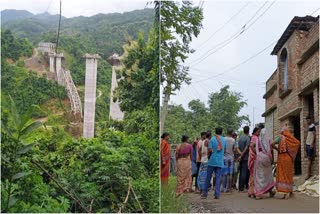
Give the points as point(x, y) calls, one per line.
point(14, 48)
point(179, 23)
point(223, 110)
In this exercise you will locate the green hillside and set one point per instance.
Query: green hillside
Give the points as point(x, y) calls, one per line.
point(104, 34)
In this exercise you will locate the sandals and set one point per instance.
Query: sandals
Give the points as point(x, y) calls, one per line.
point(286, 196)
point(272, 194)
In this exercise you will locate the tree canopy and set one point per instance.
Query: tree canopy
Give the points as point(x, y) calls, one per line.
point(222, 110)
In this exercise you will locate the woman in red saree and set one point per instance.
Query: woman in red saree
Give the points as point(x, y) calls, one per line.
point(287, 151)
point(252, 159)
point(184, 172)
point(165, 159)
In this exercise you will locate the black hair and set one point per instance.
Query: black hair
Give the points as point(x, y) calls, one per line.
point(203, 133)
point(184, 138)
point(246, 129)
point(230, 131)
point(219, 131)
point(255, 130)
point(261, 126)
point(164, 135)
point(208, 135)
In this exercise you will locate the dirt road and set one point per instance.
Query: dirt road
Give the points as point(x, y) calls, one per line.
point(240, 202)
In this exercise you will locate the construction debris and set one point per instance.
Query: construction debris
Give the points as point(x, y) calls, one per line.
point(310, 187)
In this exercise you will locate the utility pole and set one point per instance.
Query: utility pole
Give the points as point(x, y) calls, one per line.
point(57, 42)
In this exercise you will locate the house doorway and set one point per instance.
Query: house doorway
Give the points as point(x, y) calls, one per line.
point(297, 134)
point(310, 106)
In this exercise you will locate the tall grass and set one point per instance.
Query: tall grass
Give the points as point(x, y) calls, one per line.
point(169, 202)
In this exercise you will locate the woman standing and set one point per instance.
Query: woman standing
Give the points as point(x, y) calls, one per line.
point(252, 159)
point(184, 157)
point(287, 151)
point(165, 158)
point(263, 178)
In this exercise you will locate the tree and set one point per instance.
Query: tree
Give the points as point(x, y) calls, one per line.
point(138, 83)
point(14, 48)
point(179, 23)
point(223, 110)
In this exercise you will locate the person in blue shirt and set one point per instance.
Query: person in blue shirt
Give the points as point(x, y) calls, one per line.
point(216, 150)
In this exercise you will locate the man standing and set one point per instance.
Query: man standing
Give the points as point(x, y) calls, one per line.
point(216, 150)
point(228, 163)
point(199, 145)
point(243, 149)
point(310, 145)
point(165, 158)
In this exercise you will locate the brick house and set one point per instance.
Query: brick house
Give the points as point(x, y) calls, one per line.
point(292, 91)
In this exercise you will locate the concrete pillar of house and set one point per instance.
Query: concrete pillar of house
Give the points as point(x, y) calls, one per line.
point(90, 94)
point(315, 164)
point(303, 135)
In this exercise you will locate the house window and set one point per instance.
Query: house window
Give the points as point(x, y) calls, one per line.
point(284, 70)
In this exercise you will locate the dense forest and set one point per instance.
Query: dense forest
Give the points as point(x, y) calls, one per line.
point(44, 168)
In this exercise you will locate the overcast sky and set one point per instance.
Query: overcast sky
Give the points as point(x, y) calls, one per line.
point(71, 8)
point(250, 78)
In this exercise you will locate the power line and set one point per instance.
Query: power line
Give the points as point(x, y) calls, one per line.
point(233, 37)
point(219, 29)
point(48, 6)
point(238, 65)
point(314, 11)
point(57, 43)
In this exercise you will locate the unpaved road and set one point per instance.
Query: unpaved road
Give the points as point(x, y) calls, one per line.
point(240, 203)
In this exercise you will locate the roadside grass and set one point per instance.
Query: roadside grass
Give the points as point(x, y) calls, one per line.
point(169, 202)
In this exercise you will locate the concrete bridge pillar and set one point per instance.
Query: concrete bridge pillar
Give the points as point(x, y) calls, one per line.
point(115, 112)
point(90, 94)
point(51, 63)
point(59, 69)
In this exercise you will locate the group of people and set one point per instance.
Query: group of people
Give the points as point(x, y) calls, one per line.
point(215, 162)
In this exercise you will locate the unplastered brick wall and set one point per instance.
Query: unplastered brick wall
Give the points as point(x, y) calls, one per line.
point(310, 37)
point(271, 100)
point(293, 53)
point(310, 70)
point(288, 103)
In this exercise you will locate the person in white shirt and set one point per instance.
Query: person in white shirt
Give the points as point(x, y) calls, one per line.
point(310, 144)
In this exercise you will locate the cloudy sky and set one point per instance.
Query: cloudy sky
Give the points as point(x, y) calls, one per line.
point(71, 8)
point(249, 78)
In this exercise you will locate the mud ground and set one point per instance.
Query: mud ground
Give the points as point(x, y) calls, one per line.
point(239, 203)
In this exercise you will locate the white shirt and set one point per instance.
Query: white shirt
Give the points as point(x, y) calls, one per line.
point(311, 134)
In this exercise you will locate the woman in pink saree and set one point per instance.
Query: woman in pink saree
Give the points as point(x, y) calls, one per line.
point(263, 177)
point(252, 160)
